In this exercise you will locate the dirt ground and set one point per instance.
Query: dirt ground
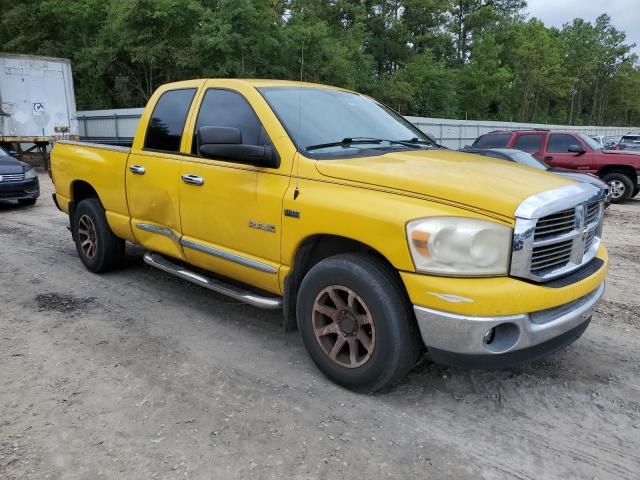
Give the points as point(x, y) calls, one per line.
point(138, 375)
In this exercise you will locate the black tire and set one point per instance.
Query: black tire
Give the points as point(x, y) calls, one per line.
point(108, 252)
point(396, 343)
point(27, 201)
point(620, 186)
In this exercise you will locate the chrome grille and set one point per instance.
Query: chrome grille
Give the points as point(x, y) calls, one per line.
point(593, 211)
point(554, 236)
point(589, 240)
point(556, 224)
point(11, 177)
point(551, 256)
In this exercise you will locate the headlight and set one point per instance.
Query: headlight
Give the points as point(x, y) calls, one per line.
point(31, 173)
point(459, 246)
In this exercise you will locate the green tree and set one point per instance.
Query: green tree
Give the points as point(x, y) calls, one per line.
point(473, 16)
point(432, 87)
point(484, 84)
point(238, 38)
point(534, 54)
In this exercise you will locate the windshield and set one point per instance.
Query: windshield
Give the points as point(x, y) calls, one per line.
point(523, 158)
point(591, 143)
point(338, 123)
point(3, 153)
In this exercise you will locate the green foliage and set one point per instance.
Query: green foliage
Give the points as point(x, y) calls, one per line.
point(476, 59)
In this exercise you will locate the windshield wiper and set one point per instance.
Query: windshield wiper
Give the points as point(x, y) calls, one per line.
point(428, 143)
point(348, 141)
point(345, 142)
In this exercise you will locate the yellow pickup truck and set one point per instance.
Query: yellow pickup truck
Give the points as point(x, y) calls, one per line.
point(375, 242)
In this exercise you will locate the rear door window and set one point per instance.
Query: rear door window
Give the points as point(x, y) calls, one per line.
point(166, 125)
point(492, 140)
point(529, 143)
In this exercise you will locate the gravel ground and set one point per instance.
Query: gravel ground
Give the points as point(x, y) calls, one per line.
point(136, 374)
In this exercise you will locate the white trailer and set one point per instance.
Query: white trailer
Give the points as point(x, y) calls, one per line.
point(37, 102)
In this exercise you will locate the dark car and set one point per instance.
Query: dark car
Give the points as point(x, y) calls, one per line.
point(524, 158)
point(18, 181)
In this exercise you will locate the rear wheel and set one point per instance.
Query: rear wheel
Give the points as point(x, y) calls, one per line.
point(620, 186)
point(357, 323)
point(97, 246)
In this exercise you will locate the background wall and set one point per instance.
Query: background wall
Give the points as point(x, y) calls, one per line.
point(120, 125)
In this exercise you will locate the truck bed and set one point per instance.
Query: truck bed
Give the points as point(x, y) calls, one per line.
point(76, 165)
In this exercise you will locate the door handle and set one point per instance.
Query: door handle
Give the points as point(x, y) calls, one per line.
point(548, 157)
point(193, 179)
point(137, 169)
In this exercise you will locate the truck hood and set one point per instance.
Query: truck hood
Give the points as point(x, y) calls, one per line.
point(471, 181)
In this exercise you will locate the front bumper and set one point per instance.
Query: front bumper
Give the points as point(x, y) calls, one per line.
point(503, 341)
point(25, 190)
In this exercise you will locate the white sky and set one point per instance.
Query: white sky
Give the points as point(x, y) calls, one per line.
point(625, 14)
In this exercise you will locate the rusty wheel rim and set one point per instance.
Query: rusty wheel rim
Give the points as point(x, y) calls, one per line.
point(87, 236)
point(343, 326)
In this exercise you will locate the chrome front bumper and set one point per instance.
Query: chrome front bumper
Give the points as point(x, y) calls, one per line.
point(514, 338)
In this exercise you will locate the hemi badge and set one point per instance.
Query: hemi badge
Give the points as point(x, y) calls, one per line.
point(291, 213)
point(266, 227)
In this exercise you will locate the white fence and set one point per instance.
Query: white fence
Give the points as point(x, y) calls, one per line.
point(119, 126)
point(116, 126)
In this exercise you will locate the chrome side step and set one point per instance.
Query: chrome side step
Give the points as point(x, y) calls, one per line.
point(158, 261)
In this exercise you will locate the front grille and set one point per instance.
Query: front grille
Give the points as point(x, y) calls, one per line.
point(551, 256)
point(558, 243)
point(593, 211)
point(11, 177)
point(589, 240)
point(556, 224)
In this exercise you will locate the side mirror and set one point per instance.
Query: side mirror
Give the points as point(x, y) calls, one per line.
point(226, 143)
point(219, 135)
point(576, 149)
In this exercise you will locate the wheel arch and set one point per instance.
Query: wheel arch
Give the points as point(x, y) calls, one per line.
point(81, 190)
point(627, 170)
point(313, 250)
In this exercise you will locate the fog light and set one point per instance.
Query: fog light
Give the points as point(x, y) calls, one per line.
point(501, 338)
point(489, 336)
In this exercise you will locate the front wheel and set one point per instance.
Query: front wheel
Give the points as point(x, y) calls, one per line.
point(620, 186)
point(356, 322)
point(97, 246)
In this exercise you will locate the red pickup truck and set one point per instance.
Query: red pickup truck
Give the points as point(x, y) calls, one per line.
point(576, 151)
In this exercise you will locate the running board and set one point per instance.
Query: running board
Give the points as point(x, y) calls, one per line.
point(162, 263)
